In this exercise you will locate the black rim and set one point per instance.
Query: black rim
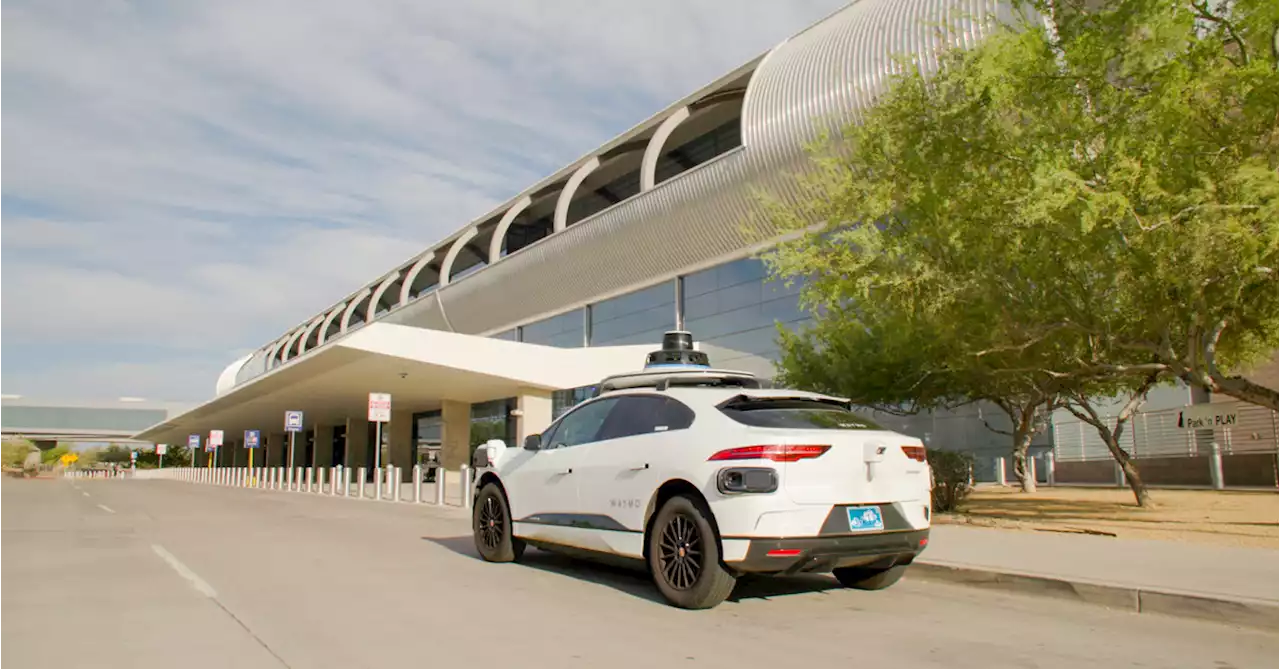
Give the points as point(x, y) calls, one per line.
point(492, 522)
point(680, 552)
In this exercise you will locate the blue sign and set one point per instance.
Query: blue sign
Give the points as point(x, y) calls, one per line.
point(252, 438)
point(865, 519)
point(193, 442)
point(293, 421)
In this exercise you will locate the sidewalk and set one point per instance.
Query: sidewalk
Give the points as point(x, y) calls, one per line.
point(1237, 585)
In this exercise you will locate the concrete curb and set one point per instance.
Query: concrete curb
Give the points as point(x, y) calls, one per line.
point(1256, 614)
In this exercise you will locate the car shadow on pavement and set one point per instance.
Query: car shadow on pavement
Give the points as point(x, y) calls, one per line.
point(635, 581)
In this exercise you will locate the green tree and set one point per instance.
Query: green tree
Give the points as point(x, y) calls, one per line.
point(15, 452)
point(1069, 206)
point(114, 454)
point(52, 455)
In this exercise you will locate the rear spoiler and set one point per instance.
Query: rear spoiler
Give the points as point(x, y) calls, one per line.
point(783, 397)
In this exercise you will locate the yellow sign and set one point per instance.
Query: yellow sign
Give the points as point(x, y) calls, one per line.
point(68, 458)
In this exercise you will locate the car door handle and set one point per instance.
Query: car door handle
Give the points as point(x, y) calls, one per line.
point(566, 471)
point(640, 468)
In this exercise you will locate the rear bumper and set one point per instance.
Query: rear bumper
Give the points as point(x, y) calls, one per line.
point(822, 554)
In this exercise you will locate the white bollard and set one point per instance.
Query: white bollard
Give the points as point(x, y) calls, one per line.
point(288, 483)
point(309, 478)
point(395, 484)
point(320, 478)
point(377, 483)
point(360, 476)
point(1215, 467)
point(335, 476)
point(466, 486)
point(441, 475)
point(417, 484)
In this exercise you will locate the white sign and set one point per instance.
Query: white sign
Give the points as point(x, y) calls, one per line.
point(161, 449)
point(379, 408)
point(215, 438)
point(1207, 417)
point(293, 421)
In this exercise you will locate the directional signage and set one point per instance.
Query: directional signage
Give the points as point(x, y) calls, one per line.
point(215, 438)
point(193, 442)
point(293, 421)
point(252, 438)
point(161, 449)
point(379, 408)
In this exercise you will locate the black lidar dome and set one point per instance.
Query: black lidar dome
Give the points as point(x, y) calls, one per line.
point(677, 349)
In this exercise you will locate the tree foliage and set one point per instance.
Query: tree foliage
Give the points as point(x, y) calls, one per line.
point(1071, 205)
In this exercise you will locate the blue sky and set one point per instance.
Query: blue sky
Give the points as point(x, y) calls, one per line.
point(185, 181)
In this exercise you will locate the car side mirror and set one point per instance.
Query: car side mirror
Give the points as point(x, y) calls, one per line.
point(533, 442)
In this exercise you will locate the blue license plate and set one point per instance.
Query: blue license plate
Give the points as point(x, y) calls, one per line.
point(865, 519)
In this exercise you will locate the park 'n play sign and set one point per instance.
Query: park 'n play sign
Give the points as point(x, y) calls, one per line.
point(1207, 417)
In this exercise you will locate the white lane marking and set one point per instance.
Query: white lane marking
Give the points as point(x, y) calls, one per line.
point(84, 493)
point(195, 581)
point(106, 508)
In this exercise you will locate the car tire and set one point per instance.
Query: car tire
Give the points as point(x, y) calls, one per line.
point(491, 526)
point(864, 578)
point(684, 556)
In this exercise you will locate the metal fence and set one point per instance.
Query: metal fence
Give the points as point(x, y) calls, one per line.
point(1157, 434)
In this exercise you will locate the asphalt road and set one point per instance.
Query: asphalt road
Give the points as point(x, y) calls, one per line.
point(143, 574)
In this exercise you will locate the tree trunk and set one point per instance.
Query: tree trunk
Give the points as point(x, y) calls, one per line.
point(1021, 445)
point(1131, 475)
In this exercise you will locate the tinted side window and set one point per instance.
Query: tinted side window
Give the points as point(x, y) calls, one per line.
point(645, 414)
point(581, 425)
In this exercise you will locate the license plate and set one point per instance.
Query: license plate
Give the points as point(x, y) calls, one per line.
point(865, 519)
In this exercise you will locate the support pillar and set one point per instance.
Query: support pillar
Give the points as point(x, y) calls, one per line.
point(323, 448)
point(455, 440)
point(534, 407)
point(401, 447)
point(277, 443)
point(357, 442)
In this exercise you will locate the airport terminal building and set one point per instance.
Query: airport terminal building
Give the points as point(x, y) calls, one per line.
point(502, 325)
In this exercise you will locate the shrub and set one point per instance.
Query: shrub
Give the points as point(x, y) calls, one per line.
point(952, 473)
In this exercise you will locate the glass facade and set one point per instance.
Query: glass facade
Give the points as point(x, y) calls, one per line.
point(493, 420)
point(509, 335)
point(563, 400)
point(734, 307)
point(564, 331)
point(635, 318)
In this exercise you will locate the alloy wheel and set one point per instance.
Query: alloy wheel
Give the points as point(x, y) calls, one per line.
point(680, 552)
point(492, 523)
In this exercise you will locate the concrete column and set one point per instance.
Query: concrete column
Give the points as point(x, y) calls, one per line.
point(401, 449)
point(534, 407)
point(276, 443)
point(324, 447)
point(455, 440)
point(357, 442)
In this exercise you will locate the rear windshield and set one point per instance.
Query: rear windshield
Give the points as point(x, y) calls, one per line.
point(796, 414)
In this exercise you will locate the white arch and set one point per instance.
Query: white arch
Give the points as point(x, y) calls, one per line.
point(227, 380)
point(412, 275)
point(649, 163)
point(275, 348)
point(500, 232)
point(446, 267)
point(284, 356)
point(351, 309)
point(328, 321)
point(571, 187)
point(306, 335)
point(372, 310)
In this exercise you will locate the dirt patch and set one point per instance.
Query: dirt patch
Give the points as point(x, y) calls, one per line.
point(1227, 518)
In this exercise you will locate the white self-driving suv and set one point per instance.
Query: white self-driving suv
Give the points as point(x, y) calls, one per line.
point(706, 475)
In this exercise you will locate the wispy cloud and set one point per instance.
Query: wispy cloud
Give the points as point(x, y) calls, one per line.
point(184, 181)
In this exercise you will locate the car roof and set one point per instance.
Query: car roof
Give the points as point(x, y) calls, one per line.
point(715, 394)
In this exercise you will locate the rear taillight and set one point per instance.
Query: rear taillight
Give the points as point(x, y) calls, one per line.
point(915, 453)
point(774, 452)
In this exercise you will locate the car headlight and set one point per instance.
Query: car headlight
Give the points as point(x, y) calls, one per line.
point(734, 480)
